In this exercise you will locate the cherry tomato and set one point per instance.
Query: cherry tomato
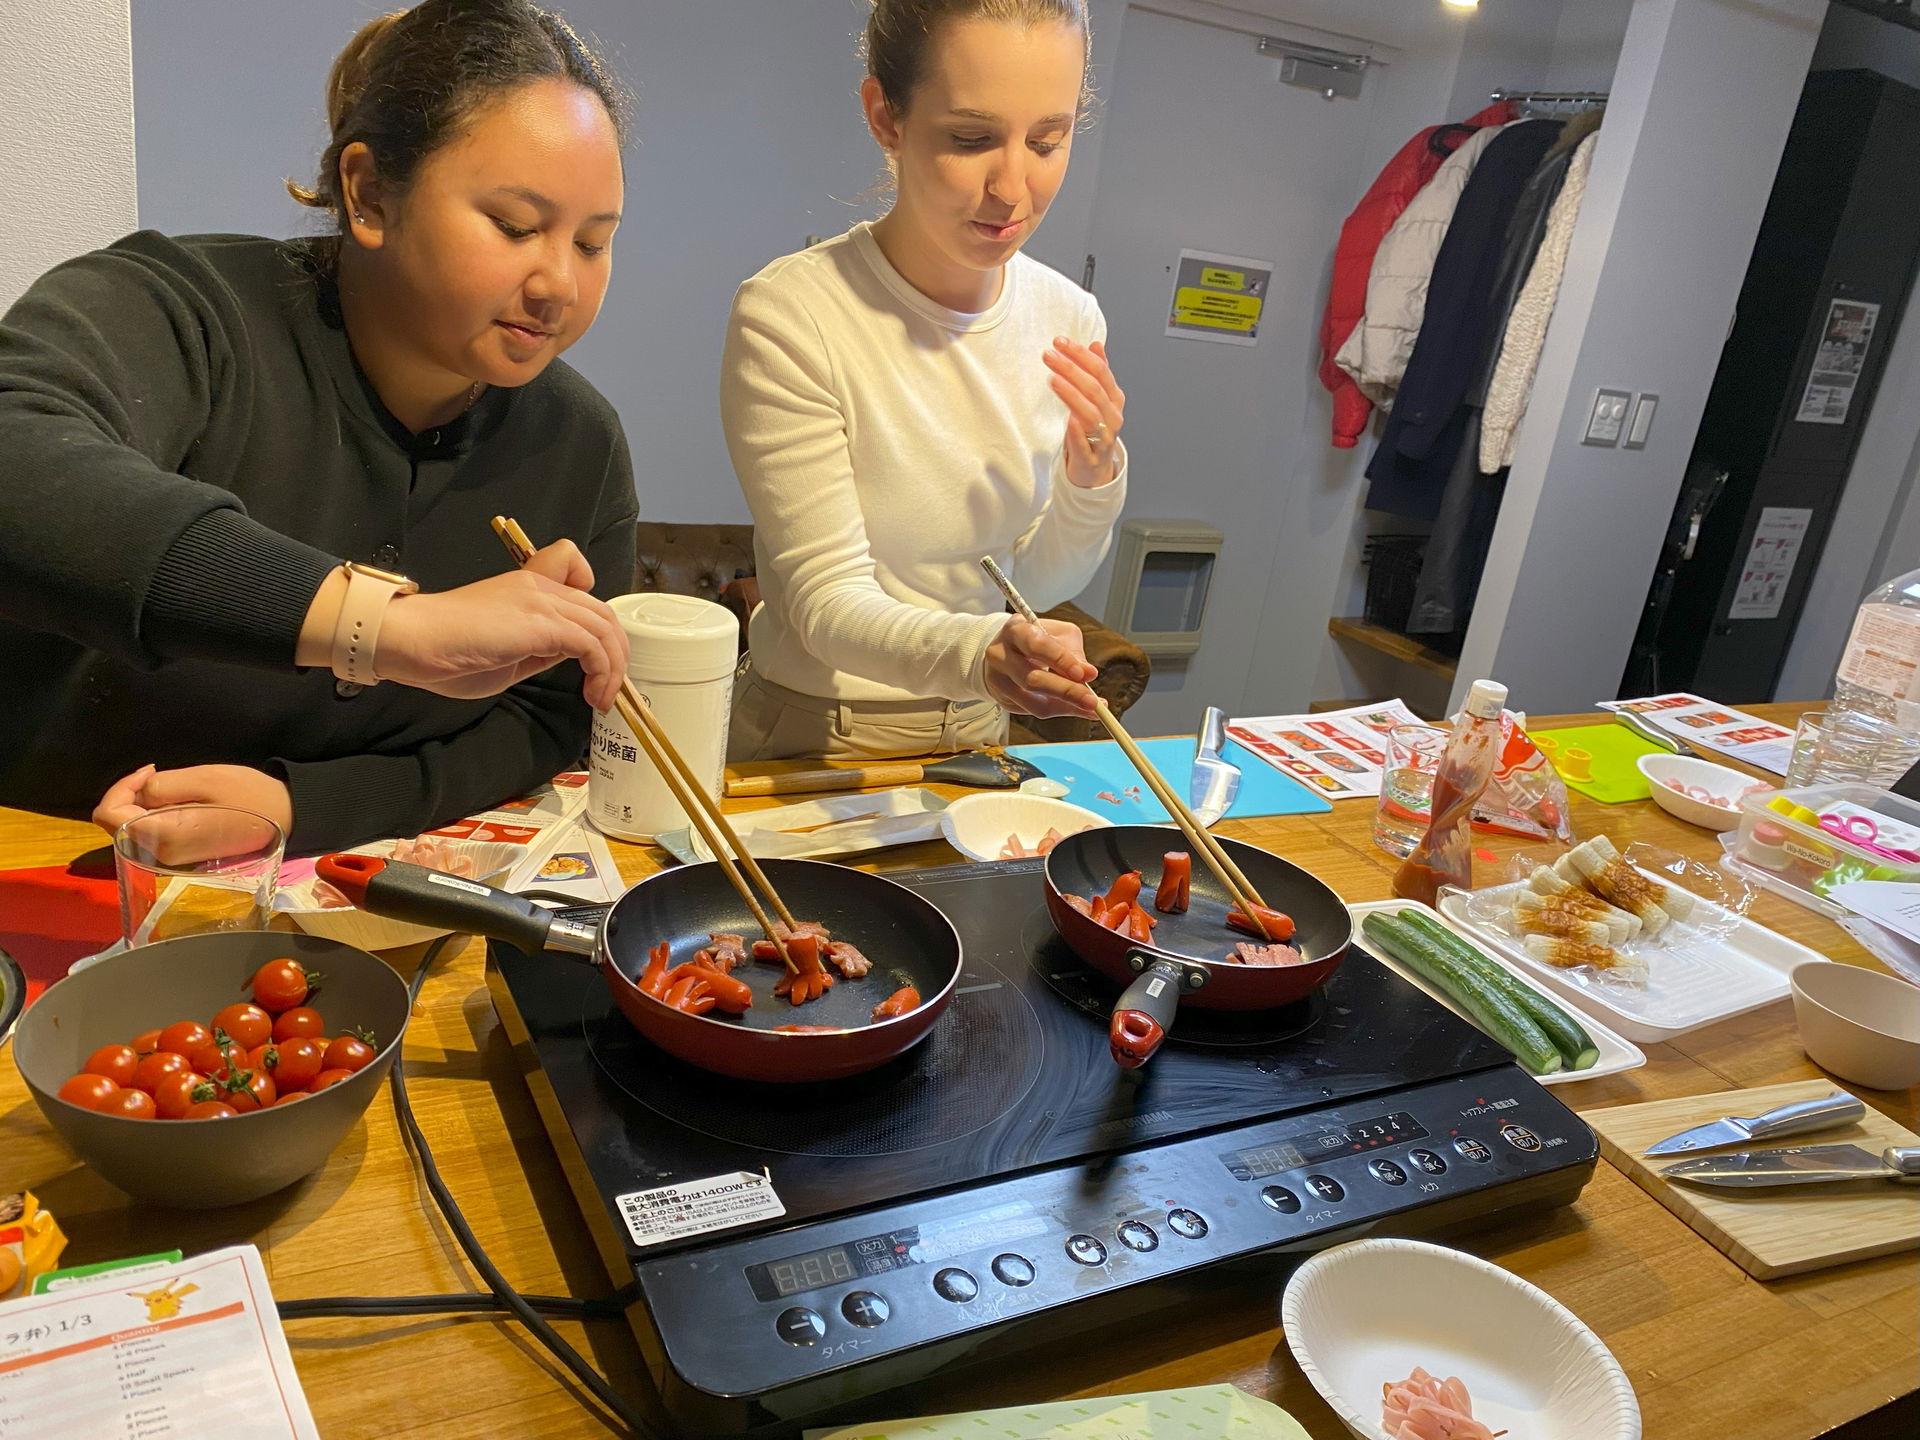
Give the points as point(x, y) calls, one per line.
point(129, 1105)
point(299, 1060)
point(251, 1090)
point(89, 1092)
point(156, 1067)
point(210, 1056)
point(147, 1041)
point(210, 1110)
point(173, 1096)
point(117, 1062)
point(280, 985)
point(302, 1020)
point(183, 1036)
point(290, 1097)
point(248, 1025)
point(349, 1052)
point(327, 1079)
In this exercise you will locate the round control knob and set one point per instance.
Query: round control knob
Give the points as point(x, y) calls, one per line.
point(1187, 1224)
point(1278, 1197)
point(801, 1326)
point(1085, 1250)
point(955, 1285)
point(1014, 1270)
point(1137, 1236)
point(866, 1309)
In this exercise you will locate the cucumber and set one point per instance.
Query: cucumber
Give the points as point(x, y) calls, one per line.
point(1488, 1007)
point(1568, 1035)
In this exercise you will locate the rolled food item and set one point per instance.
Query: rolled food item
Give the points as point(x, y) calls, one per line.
point(1583, 904)
point(1620, 884)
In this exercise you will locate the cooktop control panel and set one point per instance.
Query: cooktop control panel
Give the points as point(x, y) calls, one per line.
point(773, 1309)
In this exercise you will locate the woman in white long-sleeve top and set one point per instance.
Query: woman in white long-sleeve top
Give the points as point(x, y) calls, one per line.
point(915, 394)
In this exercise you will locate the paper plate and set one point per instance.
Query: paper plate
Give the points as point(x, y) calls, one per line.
point(1363, 1315)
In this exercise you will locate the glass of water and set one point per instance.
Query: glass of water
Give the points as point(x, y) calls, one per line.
point(1833, 747)
point(1406, 789)
point(190, 869)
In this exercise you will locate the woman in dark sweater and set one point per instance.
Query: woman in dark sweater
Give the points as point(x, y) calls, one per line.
point(209, 442)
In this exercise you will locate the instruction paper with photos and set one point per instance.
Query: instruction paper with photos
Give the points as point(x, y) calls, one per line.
point(1713, 726)
point(1340, 753)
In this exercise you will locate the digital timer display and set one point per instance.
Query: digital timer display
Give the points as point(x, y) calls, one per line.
point(810, 1271)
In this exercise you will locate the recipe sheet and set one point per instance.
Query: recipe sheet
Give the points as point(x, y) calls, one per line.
point(1713, 726)
point(193, 1349)
point(1340, 753)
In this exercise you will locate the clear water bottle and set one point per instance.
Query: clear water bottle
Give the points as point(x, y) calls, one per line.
point(1879, 672)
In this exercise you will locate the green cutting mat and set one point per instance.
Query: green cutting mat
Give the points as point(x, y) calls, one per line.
point(1616, 754)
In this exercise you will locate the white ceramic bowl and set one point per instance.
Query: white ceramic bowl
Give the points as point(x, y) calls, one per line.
point(978, 825)
point(1718, 780)
point(1363, 1315)
point(1859, 1024)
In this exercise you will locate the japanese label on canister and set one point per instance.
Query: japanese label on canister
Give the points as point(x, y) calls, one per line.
point(698, 1206)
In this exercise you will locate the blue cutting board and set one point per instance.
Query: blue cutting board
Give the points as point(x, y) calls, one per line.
point(1096, 765)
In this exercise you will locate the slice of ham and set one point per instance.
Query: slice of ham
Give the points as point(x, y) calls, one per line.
point(847, 959)
point(1248, 953)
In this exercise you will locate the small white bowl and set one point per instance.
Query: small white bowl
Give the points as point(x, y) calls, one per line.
point(1364, 1315)
point(1717, 780)
point(1859, 1024)
point(978, 825)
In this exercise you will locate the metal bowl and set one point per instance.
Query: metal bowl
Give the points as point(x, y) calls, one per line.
point(13, 994)
point(203, 1164)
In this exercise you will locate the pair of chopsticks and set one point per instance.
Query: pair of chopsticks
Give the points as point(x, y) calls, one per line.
point(702, 809)
point(1211, 853)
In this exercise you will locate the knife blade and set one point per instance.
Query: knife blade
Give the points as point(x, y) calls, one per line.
point(1215, 782)
point(1798, 1118)
point(1806, 1165)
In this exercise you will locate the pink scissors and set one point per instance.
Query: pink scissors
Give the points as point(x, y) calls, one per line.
point(1859, 831)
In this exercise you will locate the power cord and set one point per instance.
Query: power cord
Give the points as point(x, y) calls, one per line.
point(502, 1297)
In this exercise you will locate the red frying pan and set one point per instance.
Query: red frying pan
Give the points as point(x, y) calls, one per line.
point(1185, 962)
point(907, 939)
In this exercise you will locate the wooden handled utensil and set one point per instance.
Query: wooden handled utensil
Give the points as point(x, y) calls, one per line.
point(980, 769)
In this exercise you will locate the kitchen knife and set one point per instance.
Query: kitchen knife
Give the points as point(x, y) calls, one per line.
point(1798, 1118)
point(1215, 782)
point(1649, 732)
point(1808, 1165)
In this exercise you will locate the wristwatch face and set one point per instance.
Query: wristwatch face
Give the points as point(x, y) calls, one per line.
point(389, 576)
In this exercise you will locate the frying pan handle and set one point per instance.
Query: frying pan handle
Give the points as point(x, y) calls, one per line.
point(1143, 1015)
point(399, 891)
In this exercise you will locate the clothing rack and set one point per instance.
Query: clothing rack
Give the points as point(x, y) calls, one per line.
point(1569, 100)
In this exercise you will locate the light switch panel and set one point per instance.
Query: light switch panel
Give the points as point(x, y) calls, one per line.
point(1640, 420)
point(1608, 418)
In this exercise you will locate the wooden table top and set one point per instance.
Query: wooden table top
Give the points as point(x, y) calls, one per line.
point(1702, 1342)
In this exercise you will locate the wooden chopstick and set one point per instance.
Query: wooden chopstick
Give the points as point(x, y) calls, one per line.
point(1212, 854)
point(701, 808)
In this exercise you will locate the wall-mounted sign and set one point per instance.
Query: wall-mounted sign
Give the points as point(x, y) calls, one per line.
point(1218, 297)
point(1838, 362)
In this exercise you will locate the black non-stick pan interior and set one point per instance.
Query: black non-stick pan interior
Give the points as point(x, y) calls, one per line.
point(1088, 863)
point(908, 940)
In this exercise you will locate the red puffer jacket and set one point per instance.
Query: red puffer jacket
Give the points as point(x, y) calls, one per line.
point(1389, 194)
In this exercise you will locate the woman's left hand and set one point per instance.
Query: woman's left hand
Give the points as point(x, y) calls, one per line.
point(1096, 409)
point(238, 786)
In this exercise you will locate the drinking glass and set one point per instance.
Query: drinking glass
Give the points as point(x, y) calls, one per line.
point(191, 869)
point(1850, 746)
point(1806, 739)
point(1406, 789)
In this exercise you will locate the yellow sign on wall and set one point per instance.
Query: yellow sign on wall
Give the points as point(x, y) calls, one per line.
point(1218, 297)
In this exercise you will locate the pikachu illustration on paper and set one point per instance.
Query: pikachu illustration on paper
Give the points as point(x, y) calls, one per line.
point(164, 1303)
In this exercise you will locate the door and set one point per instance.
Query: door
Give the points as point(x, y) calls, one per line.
point(1204, 148)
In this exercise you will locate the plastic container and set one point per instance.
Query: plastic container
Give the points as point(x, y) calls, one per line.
point(684, 651)
point(1879, 670)
point(1783, 846)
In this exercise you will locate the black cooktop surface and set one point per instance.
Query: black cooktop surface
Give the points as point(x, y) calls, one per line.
point(1014, 1077)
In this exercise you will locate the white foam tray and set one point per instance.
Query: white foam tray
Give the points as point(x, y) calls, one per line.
point(1616, 1052)
point(1693, 979)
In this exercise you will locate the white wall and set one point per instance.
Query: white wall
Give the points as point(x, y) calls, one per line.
point(66, 159)
point(1876, 531)
point(1702, 99)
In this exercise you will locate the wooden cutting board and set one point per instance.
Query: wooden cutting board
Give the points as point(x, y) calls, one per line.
point(1782, 1230)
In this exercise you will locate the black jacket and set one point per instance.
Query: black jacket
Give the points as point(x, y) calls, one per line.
point(187, 447)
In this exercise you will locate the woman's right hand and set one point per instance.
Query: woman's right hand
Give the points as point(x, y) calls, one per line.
point(1040, 669)
point(483, 638)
